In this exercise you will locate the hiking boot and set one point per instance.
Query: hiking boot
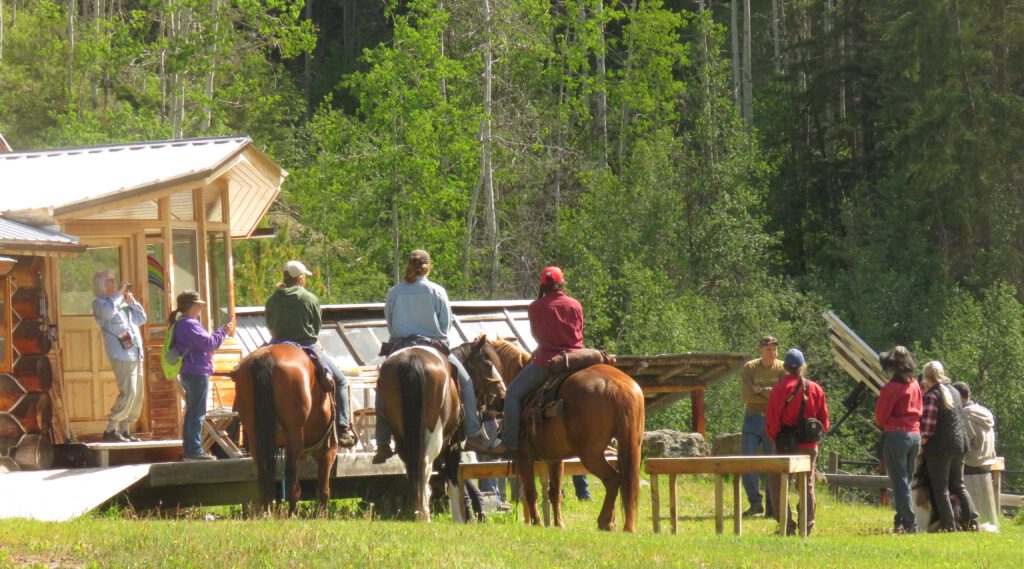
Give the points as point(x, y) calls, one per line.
point(346, 438)
point(496, 447)
point(199, 457)
point(478, 443)
point(113, 437)
point(754, 511)
point(384, 452)
point(128, 437)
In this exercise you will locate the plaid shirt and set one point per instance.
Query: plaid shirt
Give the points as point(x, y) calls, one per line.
point(930, 414)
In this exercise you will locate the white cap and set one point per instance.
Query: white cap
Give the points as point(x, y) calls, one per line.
point(295, 269)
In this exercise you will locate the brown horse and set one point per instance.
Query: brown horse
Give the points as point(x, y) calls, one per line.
point(280, 402)
point(419, 399)
point(601, 404)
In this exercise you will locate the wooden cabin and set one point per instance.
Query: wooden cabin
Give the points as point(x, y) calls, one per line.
point(162, 215)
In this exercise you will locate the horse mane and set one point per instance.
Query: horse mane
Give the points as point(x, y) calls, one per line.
point(512, 357)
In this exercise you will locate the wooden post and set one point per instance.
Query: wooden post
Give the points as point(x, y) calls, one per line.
point(719, 521)
point(697, 424)
point(801, 484)
point(737, 513)
point(833, 468)
point(545, 482)
point(783, 513)
point(673, 503)
point(655, 510)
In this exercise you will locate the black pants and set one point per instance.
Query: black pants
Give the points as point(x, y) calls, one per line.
point(946, 477)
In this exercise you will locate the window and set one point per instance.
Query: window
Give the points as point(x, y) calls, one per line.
point(76, 274)
point(5, 324)
point(186, 272)
point(220, 293)
point(156, 281)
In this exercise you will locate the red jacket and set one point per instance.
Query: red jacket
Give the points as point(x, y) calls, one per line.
point(780, 414)
point(556, 321)
point(899, 407)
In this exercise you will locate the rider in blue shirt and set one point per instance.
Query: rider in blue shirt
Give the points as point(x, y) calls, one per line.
point(419, 307)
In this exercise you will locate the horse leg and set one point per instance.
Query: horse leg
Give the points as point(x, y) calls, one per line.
point(524, 464)
point(325, 464)
point(292, 451)
point(599, 467)
point(555, 493)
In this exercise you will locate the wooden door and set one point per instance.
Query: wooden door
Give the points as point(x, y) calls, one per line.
point(89, 385)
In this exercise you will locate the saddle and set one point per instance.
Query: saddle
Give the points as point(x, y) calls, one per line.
point(543, 403)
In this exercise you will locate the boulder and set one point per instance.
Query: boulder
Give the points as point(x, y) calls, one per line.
point(728, 444)
point(666, 443)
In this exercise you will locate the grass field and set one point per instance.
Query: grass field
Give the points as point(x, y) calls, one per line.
point(846, 535)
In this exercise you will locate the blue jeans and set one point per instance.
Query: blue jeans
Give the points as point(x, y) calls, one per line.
point(196, 389)
point(899, 451)
point(529, 379)
point(754, 436)
point(342, 409)
point(493, 485)
point(471, 423)
point(582, 487)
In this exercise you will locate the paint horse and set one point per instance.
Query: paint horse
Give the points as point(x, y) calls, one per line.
point(601, 403)
point(419, 400)
point(280, 402)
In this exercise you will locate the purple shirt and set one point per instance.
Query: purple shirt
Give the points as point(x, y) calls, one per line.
point(191, 337)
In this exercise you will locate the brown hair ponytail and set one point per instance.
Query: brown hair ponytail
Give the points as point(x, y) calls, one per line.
point(418, 265)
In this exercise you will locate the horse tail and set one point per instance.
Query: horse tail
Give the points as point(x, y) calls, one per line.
point(412, 379)
point(265, 416)
point(629, 431)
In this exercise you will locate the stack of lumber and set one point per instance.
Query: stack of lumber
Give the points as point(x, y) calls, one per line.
point(854, 355)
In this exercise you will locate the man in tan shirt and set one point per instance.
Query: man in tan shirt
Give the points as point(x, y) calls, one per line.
point(757, 379)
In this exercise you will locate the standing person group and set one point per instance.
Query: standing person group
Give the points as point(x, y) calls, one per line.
point(932, 424)
point(119, 315)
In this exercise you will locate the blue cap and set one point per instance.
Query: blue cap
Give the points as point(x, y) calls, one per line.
point(794, 359)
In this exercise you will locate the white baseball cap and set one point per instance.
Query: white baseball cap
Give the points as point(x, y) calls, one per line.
point(295, 269)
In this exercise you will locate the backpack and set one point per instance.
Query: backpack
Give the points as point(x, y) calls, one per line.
point(170, 359)
point(806, 430)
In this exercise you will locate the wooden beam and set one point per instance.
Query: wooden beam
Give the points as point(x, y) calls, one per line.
point(785, 464)
point(697, 423)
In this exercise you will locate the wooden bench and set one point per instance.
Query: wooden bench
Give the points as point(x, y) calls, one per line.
point(100, 451)
point(503, 469)
point(784, 465)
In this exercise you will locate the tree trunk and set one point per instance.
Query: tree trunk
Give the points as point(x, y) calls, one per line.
point(748, 67)
point(776, 38)
point(735, 27)
point(626, 78)
point(208, 111)
point(307, 65)
point(71, 9)
point(486, 167)
point(602, 96)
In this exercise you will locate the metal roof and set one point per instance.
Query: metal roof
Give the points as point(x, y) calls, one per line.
point(43, 185)
point(18, 237)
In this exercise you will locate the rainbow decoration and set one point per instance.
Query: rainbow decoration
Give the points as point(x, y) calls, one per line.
point(155, 272)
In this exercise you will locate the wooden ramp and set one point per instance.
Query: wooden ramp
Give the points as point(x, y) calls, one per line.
point(61, 495)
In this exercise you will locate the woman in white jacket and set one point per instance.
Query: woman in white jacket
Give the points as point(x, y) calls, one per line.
point(980, 457)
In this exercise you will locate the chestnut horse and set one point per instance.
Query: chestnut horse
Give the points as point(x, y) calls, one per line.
point(601, 403)
point(419, 399)
point(280, 402)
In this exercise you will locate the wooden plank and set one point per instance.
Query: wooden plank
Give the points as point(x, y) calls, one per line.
point(655, 504)
point(730, 464)
point(503, 469)
point(873, 482)
point(783, 511)
point(737, 506)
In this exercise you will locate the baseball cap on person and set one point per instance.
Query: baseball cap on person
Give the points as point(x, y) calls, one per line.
point(295, 269)
point(767, 341)
point(794, 359)
point(551, 275)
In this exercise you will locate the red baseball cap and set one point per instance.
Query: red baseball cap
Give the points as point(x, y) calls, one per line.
point(551, 275)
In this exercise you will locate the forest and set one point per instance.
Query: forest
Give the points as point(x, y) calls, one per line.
point(705, 171)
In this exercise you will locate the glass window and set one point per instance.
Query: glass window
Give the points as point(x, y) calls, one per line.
point(186, 261)
point(220, 295)
point(5, 324)
point(156, 281)
point(76, 275)
point(366, 339)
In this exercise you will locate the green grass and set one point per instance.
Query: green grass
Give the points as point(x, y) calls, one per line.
point(846, 535)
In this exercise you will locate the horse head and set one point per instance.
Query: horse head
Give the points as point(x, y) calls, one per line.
point(482, 363)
